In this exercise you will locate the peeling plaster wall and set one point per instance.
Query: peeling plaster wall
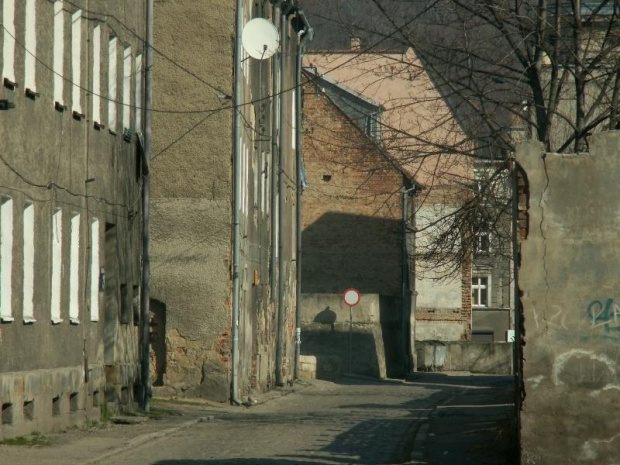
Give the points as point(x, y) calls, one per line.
point(571, 306)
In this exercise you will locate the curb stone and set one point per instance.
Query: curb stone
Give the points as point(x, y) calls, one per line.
point(144, 438)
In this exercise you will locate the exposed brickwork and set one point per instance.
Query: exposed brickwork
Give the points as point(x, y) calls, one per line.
point(352, 207)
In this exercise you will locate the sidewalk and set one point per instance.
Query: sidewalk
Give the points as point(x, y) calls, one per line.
point(475, 424)
point(105, 440)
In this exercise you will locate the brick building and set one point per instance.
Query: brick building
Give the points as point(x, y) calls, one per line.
point(353, 222)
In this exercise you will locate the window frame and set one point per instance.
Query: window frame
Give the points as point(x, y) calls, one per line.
point(478, 288)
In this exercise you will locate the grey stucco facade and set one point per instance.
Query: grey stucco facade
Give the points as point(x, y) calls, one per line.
point(71, 229)
point(193, 207)
point(570, 351)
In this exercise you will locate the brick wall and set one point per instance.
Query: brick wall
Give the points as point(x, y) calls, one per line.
point(351, 208)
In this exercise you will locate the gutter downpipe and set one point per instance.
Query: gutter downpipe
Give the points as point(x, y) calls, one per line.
point(146, 182)
point(282, 198)
point(273, 263)
point(307, 35)
point(406, 295)
point(236, 204)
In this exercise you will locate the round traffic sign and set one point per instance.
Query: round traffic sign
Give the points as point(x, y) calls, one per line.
point(351, 297)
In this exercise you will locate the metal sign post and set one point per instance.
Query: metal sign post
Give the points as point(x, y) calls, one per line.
point(351, 297)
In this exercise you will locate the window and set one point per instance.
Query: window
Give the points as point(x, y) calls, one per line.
point(483, 242)
point(76, 62)
point(28, 285)
point(127, 88)
point(138, 94)
point(8, 61)
point(59, 55)
point(294, 120)
point(30, 42)
point(112, 88)
point(74, 270)
point(97, 77)
point(56, 266)
point(94, 270)
point(480, 291)
point(6, 258)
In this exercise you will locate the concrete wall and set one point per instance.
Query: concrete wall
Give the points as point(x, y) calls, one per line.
point(375, 335)
point(58, 372)
point(569, 285)
point(491, 358)
point(192, 205)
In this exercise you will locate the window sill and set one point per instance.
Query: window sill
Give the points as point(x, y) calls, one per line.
point(29, 321)
point(32, 94)
point(57, 321)
point(10, 84)
point(78, 116)
point(60, 107)
point(94, 320)
point(6, 319)
point(74, 321)
point(98, 126)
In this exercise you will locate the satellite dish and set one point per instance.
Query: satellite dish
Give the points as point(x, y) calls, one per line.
point(260, 38)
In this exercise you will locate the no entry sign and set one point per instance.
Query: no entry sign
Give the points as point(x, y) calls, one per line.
point(351, 297)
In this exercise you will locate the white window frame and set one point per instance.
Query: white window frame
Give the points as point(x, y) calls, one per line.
point(8, 56)
point(6, 259)
point(94, 270)
point(76, 62)
point(97, 77)
point(30, 54)
point(127, 81)
point(56, 278)
point(112, 84)
point(138, 94)
point(74, 270)
point(29, 253)
point(59, 55)
point(477, 288)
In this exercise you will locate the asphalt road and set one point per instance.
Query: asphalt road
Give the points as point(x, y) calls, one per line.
point(435, 419)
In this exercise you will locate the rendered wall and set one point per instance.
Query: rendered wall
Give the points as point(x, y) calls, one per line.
point(375, 335)
point(193, 199)
point(569, 288)
point(55, 374)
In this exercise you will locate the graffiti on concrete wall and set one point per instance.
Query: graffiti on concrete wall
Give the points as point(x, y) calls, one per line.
point(604, 316)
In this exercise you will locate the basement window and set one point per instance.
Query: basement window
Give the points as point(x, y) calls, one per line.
point(73, 402)
point(56, 406)
point(327, 177)
point(29, 410)
point(7, 414)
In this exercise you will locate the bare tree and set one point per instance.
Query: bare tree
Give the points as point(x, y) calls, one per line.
point(507, 70)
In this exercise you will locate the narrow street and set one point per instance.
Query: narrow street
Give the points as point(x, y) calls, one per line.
point(435, 419)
